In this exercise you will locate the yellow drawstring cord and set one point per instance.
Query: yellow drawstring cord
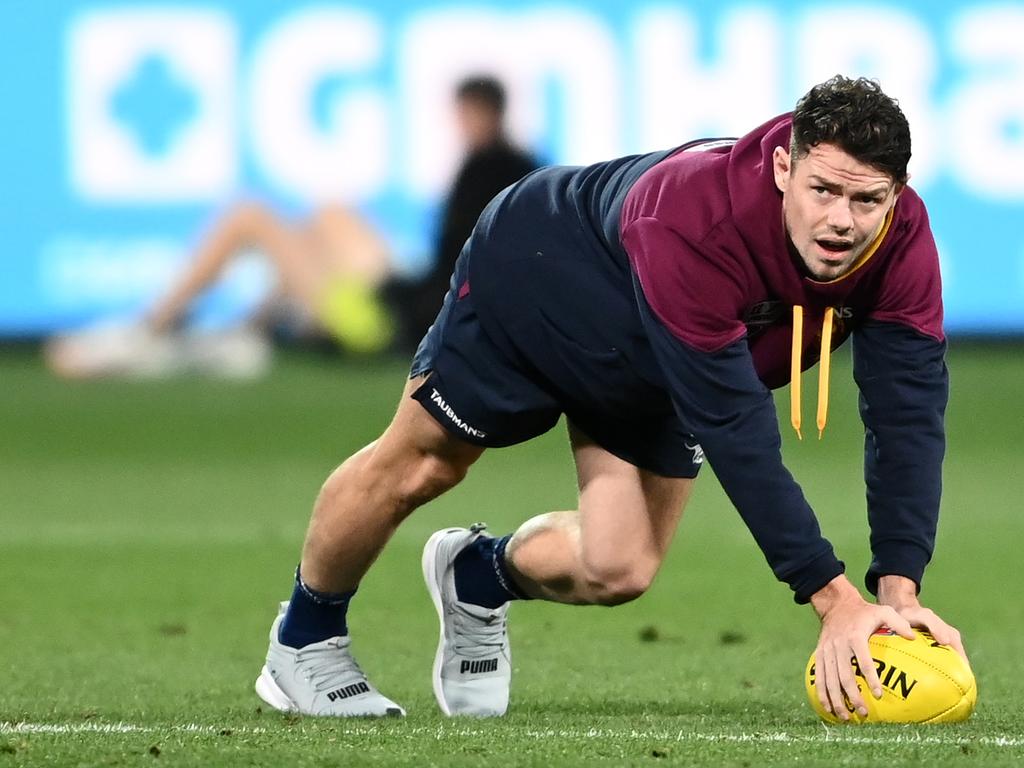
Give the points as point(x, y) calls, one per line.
point(823, 373)
point(795, 369)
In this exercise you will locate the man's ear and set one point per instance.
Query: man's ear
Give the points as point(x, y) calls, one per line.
point(781, 165)
point(900, 186)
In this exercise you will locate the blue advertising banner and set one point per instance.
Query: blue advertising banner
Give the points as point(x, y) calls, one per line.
point(127, 127)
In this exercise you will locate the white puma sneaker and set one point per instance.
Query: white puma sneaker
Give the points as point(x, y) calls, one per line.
point(473, 666)
point(321, 679)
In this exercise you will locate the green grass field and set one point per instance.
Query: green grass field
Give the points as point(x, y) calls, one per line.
point(147, 531)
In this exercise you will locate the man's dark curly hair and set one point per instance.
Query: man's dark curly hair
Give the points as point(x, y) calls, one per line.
point(857, 117)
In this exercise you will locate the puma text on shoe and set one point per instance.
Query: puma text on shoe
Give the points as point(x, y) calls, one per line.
point(321, 679)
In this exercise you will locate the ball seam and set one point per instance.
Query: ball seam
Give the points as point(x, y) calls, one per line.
point(940, 670)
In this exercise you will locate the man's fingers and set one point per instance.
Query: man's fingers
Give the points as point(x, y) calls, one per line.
point(959, 648)
point(900, 625)
point(943, 633)
point(947, 635)
point(867, 669)
point(834, 687)
point(821, 685)
point(848, 680)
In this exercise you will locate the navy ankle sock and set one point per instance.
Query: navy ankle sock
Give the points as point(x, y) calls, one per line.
point(313, 616)
point(481, 574)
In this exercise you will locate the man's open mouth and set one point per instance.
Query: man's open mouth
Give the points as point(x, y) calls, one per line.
point(835, 246)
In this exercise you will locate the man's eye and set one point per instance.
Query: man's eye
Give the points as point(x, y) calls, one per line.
point(820, 190)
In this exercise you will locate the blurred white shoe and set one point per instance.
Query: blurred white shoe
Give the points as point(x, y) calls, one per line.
point(128, 350)
point(233, 353)
point(134, 351)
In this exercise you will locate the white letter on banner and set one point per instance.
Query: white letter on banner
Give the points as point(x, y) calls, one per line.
point(530, 52)
point(339, 155)
point(882, 43)
point(986, 113)
point(125, 151)
point(682, 98)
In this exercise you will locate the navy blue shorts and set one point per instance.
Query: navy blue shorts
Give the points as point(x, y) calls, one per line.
point(533, 327)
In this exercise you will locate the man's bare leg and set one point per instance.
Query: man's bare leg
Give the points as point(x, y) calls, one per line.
point(608, 551)
point(310, 668)
point(365, 499)
point(605, 553)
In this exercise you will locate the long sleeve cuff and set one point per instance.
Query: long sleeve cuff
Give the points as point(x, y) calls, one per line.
point(896, 558)
point(814, 576)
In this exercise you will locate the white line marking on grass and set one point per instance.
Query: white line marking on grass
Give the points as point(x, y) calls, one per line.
point(826, 736)
point(63, 729)
point(442, 733)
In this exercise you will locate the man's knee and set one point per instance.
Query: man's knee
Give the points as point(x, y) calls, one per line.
point(425, 477)
point(397, 481)
point(415, 460)
point(615, 584)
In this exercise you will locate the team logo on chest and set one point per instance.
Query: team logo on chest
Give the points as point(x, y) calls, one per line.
point(763, 314)
point(770, 312)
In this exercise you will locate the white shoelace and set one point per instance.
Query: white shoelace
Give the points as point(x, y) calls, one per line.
point(481, 636)
point(329, 667)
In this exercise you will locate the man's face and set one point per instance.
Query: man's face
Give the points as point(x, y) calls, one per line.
point(479, 123)
point(834, 206)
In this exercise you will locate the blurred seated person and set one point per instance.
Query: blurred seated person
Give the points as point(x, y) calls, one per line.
point(491, 163)
point(327, 271)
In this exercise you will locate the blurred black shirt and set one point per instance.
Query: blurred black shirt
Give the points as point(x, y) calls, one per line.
point(482, 175)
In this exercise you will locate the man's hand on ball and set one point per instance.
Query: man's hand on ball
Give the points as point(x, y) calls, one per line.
point(900, 593)
point(847, 621)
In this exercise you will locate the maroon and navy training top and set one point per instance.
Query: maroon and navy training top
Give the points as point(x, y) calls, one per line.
point(704, 234)
point(696, 237)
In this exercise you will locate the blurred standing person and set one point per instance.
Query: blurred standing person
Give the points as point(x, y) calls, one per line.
point(490, 164)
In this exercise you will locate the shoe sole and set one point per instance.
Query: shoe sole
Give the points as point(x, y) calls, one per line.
point(272, 694)
point(434, 588)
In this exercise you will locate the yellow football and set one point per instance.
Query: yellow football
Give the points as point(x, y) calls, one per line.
point(922, 682)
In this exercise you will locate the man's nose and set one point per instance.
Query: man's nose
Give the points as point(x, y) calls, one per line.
point(840, 220)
